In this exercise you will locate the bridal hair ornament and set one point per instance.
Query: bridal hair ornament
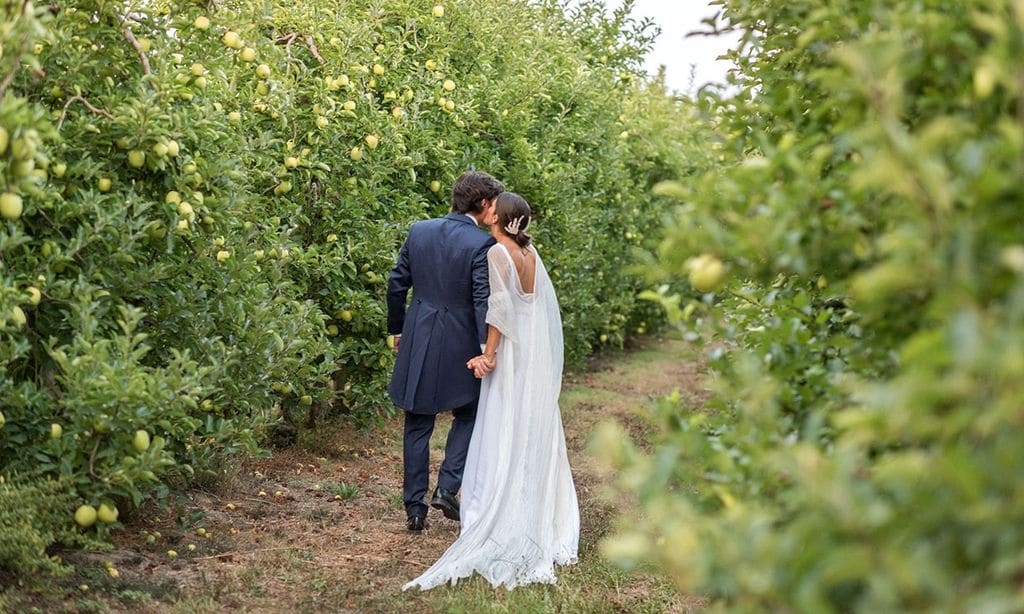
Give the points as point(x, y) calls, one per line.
point(513, 226)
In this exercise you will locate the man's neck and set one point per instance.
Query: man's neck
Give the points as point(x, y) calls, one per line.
point(472, 217)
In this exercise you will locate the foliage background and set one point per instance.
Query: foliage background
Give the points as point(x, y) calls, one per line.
point(862, 449)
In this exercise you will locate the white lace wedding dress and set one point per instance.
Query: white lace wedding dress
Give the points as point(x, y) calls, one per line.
point(519, 512)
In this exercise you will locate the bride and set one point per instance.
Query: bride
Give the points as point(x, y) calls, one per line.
point(519, 514)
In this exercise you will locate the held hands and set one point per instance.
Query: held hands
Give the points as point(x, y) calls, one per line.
point(482, 365)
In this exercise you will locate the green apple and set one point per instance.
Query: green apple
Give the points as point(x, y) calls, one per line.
point(435, 186)
point(18, 316)
point(136, 158)
point(173, 148)
point(85, 516)
point(202, 23)
point(448, 85)
point(247, 55)
point(372, 141)
point(233, 40)
point(223, 255)
point(172, 198)
point(263, 71)
point(356, 154)
point(11, 206)
point(349, 105)
point(198, 70)
point(378, 69)
point(59, 169)
point(234, 117)
point(291, 162)
point(56, 431)
point(103, 185)
point(107, 514)
point(438, 10)
point(706, 272)
point(141, 440)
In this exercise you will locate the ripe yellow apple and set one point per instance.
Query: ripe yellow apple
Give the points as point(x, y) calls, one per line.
point(172, 554)
point(34, 295)
point(283, 188)
point(263, 71)
point(357, 153)
point(349, 105)
point(136, 158)
point(438, 10)
point(173, 148)
point(397, 112)
point(247, 55)
point(430, 65)
point(706, 272)
point(182, 224)
point(85, 516)
point(331, 238)
point(449, 105)
point(435, 186)
point(378, 69)
point(141, 440)
point(291, 162)
point(233, 40)
point(234, 117)
point(107, 513)
point(200, 82)
point(103, 185)
point(371, 141)
point(219, 241)
point(59, 169)
point(56, 431)
point(198, 70)
point(11, 206)
point(321, 122)
point(448, 85)
point(172, 198)
point(185, 209)
point(223, 255)
point(201, 23)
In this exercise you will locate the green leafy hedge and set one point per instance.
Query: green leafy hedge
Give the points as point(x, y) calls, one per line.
point(862, 248)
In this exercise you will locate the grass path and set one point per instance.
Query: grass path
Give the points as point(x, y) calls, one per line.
point(323, 530)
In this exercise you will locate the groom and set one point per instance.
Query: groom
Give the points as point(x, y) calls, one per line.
point(444, 261)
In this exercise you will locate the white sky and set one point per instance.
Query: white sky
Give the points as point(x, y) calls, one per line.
point(675, 50)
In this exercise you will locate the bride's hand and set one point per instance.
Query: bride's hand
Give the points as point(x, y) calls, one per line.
point(481, 365)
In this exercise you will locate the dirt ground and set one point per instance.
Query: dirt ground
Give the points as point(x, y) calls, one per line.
point(322, 529)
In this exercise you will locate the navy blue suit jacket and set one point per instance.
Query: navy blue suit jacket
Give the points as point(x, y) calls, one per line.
point(444, 261)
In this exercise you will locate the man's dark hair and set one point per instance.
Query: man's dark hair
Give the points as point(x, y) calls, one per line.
point(471, 188)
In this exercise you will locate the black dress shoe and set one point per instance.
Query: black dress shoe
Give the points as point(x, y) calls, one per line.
point(415, 523)
point(446, 502)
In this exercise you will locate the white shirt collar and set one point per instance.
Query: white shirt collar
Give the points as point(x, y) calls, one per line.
point(472, 217)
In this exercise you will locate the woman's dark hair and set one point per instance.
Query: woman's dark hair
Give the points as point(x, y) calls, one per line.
point(471, 188)
point(513, 212)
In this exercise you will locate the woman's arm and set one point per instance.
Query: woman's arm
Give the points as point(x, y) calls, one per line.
point(485, 363)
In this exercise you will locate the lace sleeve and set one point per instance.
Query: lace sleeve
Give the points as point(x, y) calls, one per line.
point(500, 311)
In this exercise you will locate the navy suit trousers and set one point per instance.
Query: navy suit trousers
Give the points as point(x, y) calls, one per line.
point(418, 428)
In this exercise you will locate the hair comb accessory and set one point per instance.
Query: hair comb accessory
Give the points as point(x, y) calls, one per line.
point(513, 227)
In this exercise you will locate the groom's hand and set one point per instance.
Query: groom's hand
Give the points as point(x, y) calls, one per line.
point(397, 339)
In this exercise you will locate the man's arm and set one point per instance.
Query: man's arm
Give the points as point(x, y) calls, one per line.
point(398, 290)
point(481, 291)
